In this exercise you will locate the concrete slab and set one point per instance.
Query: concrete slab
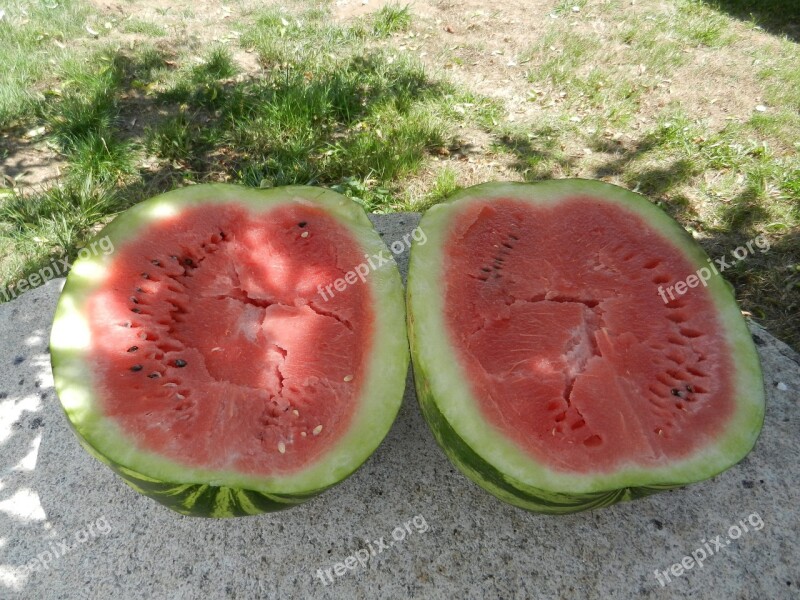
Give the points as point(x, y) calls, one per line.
point(460, 542)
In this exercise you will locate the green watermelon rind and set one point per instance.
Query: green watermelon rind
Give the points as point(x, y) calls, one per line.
point(203, 492)
point(492, 460)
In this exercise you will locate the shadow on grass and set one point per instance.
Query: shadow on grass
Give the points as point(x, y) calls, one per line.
point(364, 119)
point(780, 17)
point(537, 155)
point(133, 125)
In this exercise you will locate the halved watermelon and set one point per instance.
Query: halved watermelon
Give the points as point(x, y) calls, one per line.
point(204, 361)
point(551, 363)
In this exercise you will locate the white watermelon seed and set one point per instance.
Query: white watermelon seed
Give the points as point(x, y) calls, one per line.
point(304, 234)
point(317, 430)
point(281, 447)
point(180, 396)
point(303, 434)
point(296, 413)
point(348, 378)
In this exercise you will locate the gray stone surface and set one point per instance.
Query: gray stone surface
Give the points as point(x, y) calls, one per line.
point(474, 547)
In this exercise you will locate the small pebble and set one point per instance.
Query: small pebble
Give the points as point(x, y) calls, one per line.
point(782, 386)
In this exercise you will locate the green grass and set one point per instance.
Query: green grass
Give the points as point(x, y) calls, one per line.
point(33, 38)
point(142, 27)
point(697, 24)
point(390, 19)
point(36, 231)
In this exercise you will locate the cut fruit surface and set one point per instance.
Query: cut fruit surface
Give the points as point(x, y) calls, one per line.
point(556, 362)
point(222, 379)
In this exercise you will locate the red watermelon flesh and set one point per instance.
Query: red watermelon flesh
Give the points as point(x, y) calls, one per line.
point(568, 345)
point(214, 348)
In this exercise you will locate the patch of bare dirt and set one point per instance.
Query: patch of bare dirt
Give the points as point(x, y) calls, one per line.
point(30, 164)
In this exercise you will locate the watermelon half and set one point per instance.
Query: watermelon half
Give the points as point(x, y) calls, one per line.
point(204, 361)
point(547, 362)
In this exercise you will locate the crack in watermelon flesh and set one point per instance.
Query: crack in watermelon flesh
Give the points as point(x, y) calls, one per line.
point(211, 346)
point(569, 347)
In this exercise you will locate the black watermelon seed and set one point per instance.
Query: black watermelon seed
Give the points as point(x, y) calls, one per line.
point(188, 262)
point(677, 392)
point(136, 310)
point(302, 224)
point(154, 375)
point(155, 262)
point(689, 388)
point(145, 275)
point(133, 348)
point(136, 368)
point(134, 300)
point(139, 290)
point(180, 363)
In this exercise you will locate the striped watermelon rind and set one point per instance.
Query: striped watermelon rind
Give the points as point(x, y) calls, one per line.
point(196, 491)
point(493, 461)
